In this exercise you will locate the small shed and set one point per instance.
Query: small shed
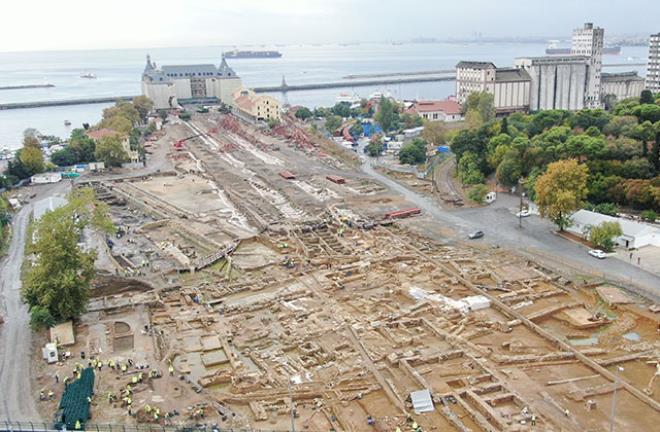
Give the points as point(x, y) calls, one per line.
point(62, 334)
point(422, 401)
point(49, 353)
point(287, 175)
point(336, 179)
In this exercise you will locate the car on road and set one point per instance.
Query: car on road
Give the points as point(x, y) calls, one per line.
point(522, 214)
point(597, 253)
point(476, 234)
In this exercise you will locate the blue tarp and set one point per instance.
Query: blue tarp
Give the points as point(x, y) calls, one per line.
point(371, 129)
point(443, 149)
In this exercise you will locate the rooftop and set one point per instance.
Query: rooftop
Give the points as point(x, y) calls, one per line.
point(511, 75)
point(446, 106)
point(475, 65)
point(621, 76)
point(168, 72)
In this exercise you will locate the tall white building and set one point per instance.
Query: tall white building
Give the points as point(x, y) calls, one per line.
point(588, 42)
point(653, 68)
point(168, 86)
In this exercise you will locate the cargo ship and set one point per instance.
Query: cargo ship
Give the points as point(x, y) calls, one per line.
point(236, 54)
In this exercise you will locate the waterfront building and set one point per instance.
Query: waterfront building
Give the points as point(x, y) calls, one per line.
point(256, 107)
point(171, 85)
point(622, 85)
point(653, 68)
point(510, 87)
point(557, 82)
point(437, 110)
point(588, 41)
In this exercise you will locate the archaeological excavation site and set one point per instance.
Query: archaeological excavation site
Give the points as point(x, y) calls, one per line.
point(260, 280)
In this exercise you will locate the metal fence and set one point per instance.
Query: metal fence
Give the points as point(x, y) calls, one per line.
point(13, 426)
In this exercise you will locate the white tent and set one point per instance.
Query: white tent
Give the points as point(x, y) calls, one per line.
point(422, 401)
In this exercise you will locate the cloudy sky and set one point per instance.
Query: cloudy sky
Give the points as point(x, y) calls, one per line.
point(87, 24)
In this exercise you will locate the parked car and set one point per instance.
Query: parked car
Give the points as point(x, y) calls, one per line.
point(476, 235)
point(522, 214)
point(597, 253)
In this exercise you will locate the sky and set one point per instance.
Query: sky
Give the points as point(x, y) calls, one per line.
point(36, 25)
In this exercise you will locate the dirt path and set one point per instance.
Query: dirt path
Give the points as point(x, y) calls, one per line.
point(15, 335)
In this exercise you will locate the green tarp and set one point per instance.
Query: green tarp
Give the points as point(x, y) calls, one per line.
point(74, 405)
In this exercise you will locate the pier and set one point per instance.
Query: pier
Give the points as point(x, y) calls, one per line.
point(405, 79)
point(65, 102)
point(26, 86)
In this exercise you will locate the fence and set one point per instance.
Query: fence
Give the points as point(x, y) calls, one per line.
point(7, 426)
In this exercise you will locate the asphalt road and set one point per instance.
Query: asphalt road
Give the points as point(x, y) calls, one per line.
point(536, 238)
point(15, 336)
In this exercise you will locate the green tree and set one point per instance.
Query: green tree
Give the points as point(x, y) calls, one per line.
point(486, 106)
point(607, 208)
point(561, 191)
point(65, 157)
point(509, 170)
point(413, 153)
point(342, 109)
point(620, 125)
point(32, 159)
point(435, 132)
point(57, 287)
point(468, 169)
point(603, 235)
point(647, 112)
point(643, 132)
point(411, 120)
point(388, 114)
point(143, 105)
point(110, 151)
point(649, 215)
point(303, 113)
point(478, 193)
point(332, 123)
point(83, 145)
point(375, 146)
point(356, 130)
point(646, 97)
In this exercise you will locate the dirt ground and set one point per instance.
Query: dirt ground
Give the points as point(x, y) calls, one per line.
point(271, 297)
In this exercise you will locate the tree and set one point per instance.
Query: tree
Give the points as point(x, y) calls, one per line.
point(468, 169)
point(32, 160)
point(143, 105)
point(435, 132)
point(303, 113)
point(411, 120)
point(342, 109)
point(561, 191)
point(607, 208)
point(587, 118)
point(65, 157)
point(603, 235)
point(83, 145)
point(620, 125)
point(356, 130)
point(646, 97)
point(110, 150)
point(413, 153)
point(647, 112)
point(509, 170)
point(478, 193)
point(473, 119)
point(643, 132)
point(486, 106)
point(332, 123)
point(375, 146)
point(57, 287)
point(388, 114)
point(649, 215)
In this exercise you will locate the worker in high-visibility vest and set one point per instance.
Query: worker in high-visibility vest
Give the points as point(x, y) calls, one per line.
point(171, 370)
point(77, 425)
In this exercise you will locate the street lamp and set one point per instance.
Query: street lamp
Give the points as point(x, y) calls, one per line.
point(619, 369)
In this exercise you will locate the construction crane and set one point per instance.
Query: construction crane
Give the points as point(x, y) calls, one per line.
point(178, 146)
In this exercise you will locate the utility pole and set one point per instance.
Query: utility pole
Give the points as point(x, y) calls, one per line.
point(616, 384)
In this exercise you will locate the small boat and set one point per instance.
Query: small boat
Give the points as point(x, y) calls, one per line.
point(88, 75)
point(67, 123)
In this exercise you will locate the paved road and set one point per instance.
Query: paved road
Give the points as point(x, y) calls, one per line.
point(536, 239)
point(15, 335)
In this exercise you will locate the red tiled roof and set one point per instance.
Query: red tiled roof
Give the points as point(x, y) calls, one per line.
point(102, 133)
point(244, 102)
point(446, 106)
